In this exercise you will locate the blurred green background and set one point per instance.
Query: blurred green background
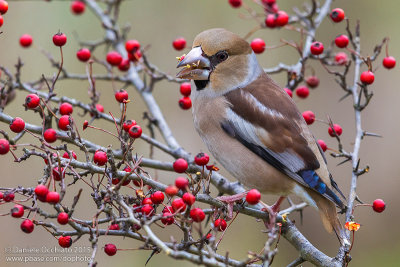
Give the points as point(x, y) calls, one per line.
point(155, 24)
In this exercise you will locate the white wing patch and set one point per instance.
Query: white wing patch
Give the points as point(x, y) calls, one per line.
point(251, 134)
point(260, 106)
point(300, 192)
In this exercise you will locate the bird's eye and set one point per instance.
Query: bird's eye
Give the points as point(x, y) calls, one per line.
point(222, 56)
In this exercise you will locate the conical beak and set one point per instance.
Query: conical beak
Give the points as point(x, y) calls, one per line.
point(195, 66)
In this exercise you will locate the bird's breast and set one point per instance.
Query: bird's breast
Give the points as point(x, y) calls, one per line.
point(241, 162)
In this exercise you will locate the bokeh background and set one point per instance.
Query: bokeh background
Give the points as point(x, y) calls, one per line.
point(155, 24)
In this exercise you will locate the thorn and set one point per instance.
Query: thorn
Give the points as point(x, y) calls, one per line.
point(358, 164)
point(371, 134)
point(344, 97)
point(359, 200)
point(344, 161)
point(151, 255)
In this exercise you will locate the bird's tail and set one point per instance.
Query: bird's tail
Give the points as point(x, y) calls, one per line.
point(329, 217)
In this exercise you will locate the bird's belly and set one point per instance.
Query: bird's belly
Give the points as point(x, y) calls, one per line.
point(245, 166)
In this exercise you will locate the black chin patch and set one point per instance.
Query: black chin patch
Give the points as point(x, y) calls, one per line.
point(201, 84)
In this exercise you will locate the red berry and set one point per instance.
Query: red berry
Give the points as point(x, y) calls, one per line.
point(288, 91)
point(77, 7)
point(135, 227)
point(323, 145)
point(178, 205)
point(197, 215)
point(180, 165)
point(59, 39)
point(269, 2)
point(114, 58)
point(64, 122)
point(25, 40)
point(65, 241)
point(1, 20)
point(341, 58)
point(235, 3)
point(136, 183)
point(312, 81)
point(52, 197)
point(147, 201)
point(66, 109)
point(167, 220)
point(41, 190)
point(83, 54)
point(27, 226)
point(121, 96)
point(8, 196)
point(57, 173)
point(185, 102)
point(134, 57)
point(309, 117)
point(337, 15)
point(50, 135)
point(157, 197)
point(258, 45)
point(85, 125)
point(148, 210)
point(302, 92)
point(3, 7)
point(274, 8)
point(128, 124)
point(367, 77)
point(378, 205)
point(281, 18)
point(62, 218)
point(270, 21)
point(188, 198)
point(201, 159)
point(114, 226)
point(124, 65)
point(110, 249)
point(337, 129)
point(66, 155)
point(115, 181)
point(32, 101)
point(253, 197)
point(4, 146)
point(1, 195)
point(317, 48)
point(179, 43)
point(100, 158)
point(17, 211)
point(99, 108)
point(389, 62)
point(185, 89)
point(17, 125)
point(168, 209)
point(171, 190)
point(182, 183)
point(342, 41)
point(135, 131)
point(220, 224)
point(132, 46)
point(54, 156)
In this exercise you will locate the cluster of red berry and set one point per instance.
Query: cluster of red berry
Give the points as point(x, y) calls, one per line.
point(3, 10)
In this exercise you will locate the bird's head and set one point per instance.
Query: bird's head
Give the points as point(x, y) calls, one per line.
point(219, 61)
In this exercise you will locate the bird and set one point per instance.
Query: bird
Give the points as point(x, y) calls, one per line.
point(253, 128)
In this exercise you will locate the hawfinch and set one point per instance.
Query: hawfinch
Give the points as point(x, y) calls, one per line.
point(252, 127)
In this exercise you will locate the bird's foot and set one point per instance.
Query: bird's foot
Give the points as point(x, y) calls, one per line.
point(230, 201)
point(272, 212)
